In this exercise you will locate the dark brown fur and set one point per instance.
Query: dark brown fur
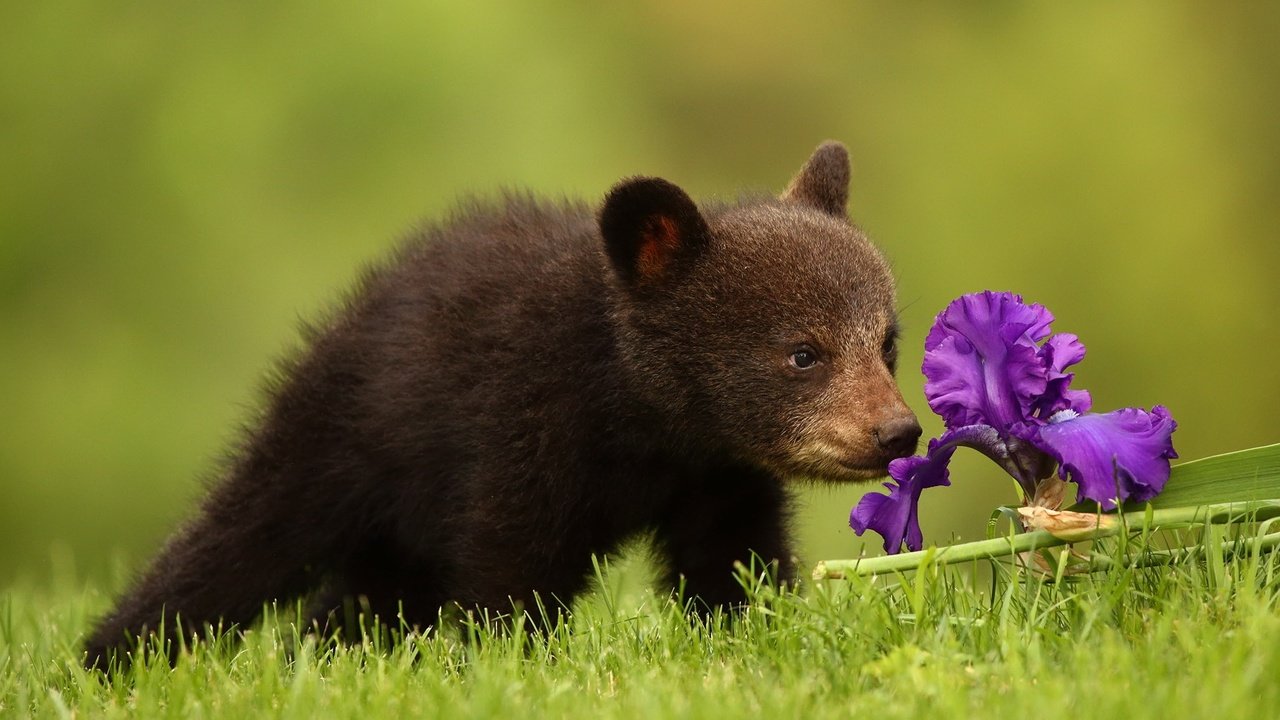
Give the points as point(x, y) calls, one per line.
point(531, 383)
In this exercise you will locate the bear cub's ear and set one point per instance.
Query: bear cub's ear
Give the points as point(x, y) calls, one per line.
point(649, 225)
point(823, 182)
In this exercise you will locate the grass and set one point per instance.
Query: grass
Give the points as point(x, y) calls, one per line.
point(1195, 639)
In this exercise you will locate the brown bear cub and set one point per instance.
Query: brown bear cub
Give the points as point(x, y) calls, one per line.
point(531, 383)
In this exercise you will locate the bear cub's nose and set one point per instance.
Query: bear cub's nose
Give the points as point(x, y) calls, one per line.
point(898, 437)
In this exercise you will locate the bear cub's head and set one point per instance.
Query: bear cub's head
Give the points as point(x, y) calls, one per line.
point(765, 328)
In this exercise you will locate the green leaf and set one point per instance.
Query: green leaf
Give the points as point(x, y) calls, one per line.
point(1237, 476)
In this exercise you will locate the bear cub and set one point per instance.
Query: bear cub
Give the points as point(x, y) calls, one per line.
point(530, 383)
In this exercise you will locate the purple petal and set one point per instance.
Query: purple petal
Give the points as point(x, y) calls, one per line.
point(982, 364)
point(894, 516)
point(1117, 455)
point(889, 515)
point(1061, 351)
point(1057, 354)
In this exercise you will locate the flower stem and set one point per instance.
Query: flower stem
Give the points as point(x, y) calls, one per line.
point(1176, 555)
point(1015, 544)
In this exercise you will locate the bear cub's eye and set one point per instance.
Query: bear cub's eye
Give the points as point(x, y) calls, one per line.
point(804, 358)
point(889, 349)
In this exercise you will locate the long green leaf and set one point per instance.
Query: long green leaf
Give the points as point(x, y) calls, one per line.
point(1252, 474)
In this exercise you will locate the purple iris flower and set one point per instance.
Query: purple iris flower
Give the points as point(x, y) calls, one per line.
point(1002, 391)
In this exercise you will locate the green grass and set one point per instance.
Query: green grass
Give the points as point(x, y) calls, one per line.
point(1197, 639)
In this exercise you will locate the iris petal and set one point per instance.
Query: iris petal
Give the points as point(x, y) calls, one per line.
point(1122, 454)
point(1057, 354)
point(982, 364)
point(894, 516)
point(889, 515)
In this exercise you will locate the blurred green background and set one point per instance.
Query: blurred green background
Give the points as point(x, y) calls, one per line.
point(182, 181)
